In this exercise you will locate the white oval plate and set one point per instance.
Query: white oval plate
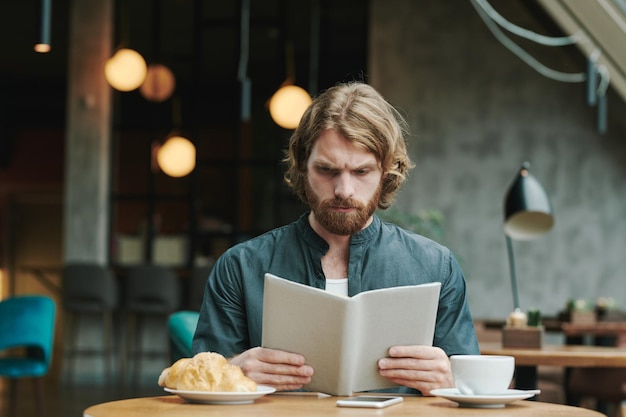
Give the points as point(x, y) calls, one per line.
point(484, 401)
point(206, 397)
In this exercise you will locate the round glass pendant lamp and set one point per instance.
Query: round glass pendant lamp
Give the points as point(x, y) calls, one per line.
point(125, 70)
point(159, 83)
point(177, 156)
point(288, 104)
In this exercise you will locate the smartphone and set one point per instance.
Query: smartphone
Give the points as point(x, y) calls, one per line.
point(369, 401)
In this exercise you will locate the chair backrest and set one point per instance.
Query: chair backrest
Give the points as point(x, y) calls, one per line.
point(28, 321)
point(181, 327)
point(89, 287)
point(197, 284)
point(151, 288)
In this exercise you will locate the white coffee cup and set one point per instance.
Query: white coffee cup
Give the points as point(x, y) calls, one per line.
point(482, 374)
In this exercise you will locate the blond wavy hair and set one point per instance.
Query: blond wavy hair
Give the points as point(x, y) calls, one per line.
point(359, 113)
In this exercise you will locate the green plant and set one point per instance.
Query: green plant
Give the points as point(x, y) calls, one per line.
point(428, 223)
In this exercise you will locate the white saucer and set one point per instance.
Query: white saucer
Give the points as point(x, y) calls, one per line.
point(484, 401)
point(207, 397)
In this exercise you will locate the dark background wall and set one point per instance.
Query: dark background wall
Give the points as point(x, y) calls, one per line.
point(477, 112)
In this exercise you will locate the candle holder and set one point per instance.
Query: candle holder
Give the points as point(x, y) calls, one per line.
point(522, 331)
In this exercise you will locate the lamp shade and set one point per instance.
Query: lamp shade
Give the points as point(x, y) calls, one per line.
point(288, 104)
point(177, 156)
point(125, 70)
point(528, 212)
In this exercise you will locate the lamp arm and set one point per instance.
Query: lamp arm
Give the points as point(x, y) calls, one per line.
point(509, 247)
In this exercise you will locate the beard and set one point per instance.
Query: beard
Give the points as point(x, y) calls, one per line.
point(342, 223)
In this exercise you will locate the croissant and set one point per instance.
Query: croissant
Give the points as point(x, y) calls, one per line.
point(206, 371)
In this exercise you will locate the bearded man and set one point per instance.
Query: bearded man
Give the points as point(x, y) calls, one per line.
point(347, 158)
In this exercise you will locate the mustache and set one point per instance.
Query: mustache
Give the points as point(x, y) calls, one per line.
point(341, 203)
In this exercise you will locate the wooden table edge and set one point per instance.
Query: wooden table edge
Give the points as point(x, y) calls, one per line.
point(561, 355)
point(308, 405)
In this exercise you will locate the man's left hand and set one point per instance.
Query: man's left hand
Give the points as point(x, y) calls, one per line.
point(424, 368)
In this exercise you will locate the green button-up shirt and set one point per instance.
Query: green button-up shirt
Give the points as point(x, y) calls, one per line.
point(382, 255)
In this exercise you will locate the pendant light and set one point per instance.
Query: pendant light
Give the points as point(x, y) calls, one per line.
point(125, 70)
point(159, 83)
point(288, 103)
point(43, 46)
point(177, 156)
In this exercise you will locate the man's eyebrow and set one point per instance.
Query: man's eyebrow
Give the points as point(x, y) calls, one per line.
point(322, 163)
point(367, 165)
point(329, 165)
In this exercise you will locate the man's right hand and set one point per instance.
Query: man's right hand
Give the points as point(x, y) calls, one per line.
point(279, 369)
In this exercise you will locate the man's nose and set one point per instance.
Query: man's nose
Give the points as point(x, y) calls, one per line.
point(344, 186)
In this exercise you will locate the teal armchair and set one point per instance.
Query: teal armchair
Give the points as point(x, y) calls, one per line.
point(26, 342)
point(181, 328)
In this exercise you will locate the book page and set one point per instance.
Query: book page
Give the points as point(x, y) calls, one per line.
point(343, 338)
point(306, 320)
point(398, 316)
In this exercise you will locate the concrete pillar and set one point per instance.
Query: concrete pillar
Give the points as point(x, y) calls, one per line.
point(88, 141)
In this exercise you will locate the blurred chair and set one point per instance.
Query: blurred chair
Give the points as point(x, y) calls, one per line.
point(88, 290)
point(26, 343)
point(197, 282)
point(181, 327)
point(601, 388)
point(151, 292)
point(606, 386)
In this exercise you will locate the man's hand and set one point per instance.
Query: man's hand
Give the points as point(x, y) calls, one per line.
point(281, 370)
point(424, 368)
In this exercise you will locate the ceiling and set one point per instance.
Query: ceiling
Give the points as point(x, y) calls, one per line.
point(200, 41)
point(604, 24)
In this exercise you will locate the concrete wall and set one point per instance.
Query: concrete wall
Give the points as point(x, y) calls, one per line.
point(477, 112)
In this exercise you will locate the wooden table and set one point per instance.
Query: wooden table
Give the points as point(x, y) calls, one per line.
point(612, 329)
point(569, 356)
point(310, 406)
point(562, 355)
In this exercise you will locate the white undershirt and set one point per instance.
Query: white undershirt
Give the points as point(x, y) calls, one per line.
point(337, 286)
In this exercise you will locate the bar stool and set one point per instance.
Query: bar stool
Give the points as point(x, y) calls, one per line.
point(150, 292)
point(88, 289)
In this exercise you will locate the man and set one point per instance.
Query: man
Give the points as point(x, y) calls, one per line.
point(346, 159)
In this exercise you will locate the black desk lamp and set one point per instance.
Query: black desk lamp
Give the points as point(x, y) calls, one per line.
point(527, 216)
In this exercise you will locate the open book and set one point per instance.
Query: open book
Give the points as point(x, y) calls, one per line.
point(343, 338)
